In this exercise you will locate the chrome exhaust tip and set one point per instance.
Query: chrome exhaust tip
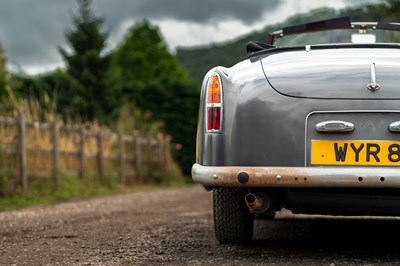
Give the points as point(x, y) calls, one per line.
point(257, 202)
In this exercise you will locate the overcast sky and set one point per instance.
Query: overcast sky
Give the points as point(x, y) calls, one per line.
point(31, 31)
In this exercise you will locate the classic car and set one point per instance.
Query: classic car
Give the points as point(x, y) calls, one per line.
point(311, 127)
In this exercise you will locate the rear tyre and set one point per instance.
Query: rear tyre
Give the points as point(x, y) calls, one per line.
point(233, 222)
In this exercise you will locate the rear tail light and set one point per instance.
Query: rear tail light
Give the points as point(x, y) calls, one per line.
point(214, 104)
point(213, 118)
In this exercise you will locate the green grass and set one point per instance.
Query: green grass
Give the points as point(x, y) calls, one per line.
point(43, 192)
point(13, 203)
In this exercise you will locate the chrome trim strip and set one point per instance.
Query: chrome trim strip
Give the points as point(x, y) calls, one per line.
point(334, 126)
point(214, 105)
point(371, 177)
point(395, 126)
point(373, 86)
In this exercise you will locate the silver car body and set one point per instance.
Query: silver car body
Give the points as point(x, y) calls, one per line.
point(314, 129)
point(273, 103)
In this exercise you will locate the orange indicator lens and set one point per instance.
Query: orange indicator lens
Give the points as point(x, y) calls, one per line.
point(214, 90)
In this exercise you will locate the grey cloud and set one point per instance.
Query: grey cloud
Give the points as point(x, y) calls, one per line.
point(188, 10)
point(358, 2)
point(31, 31)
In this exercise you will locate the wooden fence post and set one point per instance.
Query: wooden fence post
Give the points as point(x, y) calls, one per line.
point(121, 158)
point(82, 152)
point(138, 158)
point(22, 152)
point(167, 151)
point(160, 145)
point(55, 153)
point(149, 158)
point(100, 156)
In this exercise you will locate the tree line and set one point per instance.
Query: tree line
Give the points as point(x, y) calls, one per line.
point(138, 86)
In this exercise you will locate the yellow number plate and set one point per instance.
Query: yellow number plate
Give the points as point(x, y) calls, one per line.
point(355, 152)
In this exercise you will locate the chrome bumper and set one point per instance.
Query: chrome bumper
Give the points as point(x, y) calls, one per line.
point(241, 176)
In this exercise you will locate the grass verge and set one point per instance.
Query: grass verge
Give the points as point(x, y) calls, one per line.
point(43, 192)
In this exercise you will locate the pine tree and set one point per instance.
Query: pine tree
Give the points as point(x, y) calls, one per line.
point(90, 98)
point(151, 78)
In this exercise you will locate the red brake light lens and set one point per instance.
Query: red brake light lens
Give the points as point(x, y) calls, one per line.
point(214, 118)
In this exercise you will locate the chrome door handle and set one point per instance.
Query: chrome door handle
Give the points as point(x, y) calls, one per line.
point(334, 126)
point(395, 126)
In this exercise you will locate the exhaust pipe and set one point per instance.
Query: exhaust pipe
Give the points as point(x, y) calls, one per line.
point(257, 202)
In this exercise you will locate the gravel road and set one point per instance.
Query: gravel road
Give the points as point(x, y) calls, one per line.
point(174, 227)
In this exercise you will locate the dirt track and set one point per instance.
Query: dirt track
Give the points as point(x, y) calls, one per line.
point(174, 227)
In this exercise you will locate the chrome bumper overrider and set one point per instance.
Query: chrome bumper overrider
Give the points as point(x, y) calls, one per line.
point(242, 176)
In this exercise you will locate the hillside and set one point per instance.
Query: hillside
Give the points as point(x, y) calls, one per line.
point(198, 60)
